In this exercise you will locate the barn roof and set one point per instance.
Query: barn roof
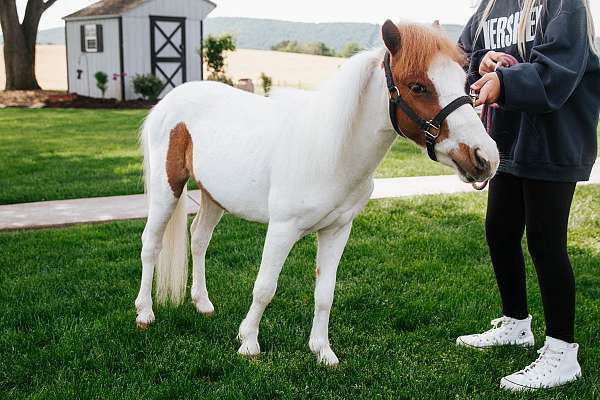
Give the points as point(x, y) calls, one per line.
point(109, 8)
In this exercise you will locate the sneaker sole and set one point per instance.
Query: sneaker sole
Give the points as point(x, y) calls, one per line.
point(459, 342)
point(516, 387)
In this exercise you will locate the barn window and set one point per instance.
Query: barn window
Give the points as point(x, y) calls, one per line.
point(91, 38)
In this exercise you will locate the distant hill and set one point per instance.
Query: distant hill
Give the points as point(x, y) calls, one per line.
point(48, 36)
point(262, 34)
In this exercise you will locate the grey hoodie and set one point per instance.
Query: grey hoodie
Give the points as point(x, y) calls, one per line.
point(546, 125)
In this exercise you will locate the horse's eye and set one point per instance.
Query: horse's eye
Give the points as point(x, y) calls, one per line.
point(417, 88)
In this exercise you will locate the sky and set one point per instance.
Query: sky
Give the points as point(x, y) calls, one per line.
point(375, 11)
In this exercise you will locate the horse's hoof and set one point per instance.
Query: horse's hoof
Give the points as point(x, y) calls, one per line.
point(142, 326)
point(204, 307)
point(327, 357)
point(144, 320)
point(249, 349)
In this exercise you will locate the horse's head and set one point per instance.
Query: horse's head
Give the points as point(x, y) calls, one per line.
point(427, 70)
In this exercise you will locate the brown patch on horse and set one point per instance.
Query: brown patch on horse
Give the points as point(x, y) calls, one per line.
point(179, 162)
point(419, 45)
point(179, 158)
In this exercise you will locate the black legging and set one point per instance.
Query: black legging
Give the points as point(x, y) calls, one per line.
point(543, 207)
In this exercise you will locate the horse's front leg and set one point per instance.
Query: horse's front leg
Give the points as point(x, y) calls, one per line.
point(331, 244)
point(279, 241)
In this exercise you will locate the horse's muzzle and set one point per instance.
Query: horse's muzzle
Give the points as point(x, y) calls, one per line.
point(472, 163)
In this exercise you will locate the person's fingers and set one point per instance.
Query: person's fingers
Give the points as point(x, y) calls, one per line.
point(484, 68)
point(480, 83)
point(495, 56)
point(482, 99)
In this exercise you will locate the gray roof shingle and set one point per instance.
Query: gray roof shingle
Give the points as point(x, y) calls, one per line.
point(106, 7)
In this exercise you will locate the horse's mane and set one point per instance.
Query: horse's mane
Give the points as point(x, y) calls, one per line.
point(321, 121)
point(420, 43)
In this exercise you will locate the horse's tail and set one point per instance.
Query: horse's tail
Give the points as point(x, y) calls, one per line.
point(172, 264)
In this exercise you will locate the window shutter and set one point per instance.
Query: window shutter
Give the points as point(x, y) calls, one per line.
point(82, 34)
point(99, 38)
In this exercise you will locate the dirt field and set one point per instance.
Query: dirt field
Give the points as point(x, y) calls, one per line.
point(51, 67)
point(286, 69)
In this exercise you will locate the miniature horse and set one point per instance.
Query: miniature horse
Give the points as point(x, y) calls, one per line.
point(301, 162)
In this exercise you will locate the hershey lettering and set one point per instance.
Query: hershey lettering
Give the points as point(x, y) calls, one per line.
point(500, 33)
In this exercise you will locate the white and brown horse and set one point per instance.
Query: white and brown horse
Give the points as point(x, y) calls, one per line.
point(301, 162)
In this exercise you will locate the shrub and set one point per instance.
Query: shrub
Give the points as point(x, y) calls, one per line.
point(266, 82)
point(101, 81)
point(351, 49)
point(149, 86)
point(214, 47)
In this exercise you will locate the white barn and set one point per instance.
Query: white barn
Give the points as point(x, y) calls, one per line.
point(123, 38)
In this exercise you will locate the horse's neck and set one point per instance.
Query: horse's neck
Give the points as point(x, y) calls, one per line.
point(341, 132)
point(369, 136)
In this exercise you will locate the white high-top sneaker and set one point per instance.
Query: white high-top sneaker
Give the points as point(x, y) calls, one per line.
point(505, 331)
point(557, 365)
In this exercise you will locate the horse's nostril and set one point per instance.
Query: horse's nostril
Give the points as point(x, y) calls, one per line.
point(481, 163)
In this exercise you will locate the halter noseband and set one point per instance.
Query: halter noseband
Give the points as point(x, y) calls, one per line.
point(396, 101)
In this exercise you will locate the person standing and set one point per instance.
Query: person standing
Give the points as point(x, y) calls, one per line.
point(545, 128)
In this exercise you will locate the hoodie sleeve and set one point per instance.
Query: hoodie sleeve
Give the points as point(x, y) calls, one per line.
point(555, 68)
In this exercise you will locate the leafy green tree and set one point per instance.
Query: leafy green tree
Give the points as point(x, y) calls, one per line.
point(101, 81)
point(351, 49)
point(214, 47)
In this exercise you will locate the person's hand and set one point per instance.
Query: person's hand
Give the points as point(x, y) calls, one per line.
point(489, 61)
point(488, 88)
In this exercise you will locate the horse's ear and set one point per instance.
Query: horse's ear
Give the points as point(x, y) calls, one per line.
point(391, 36)
point(436, 24)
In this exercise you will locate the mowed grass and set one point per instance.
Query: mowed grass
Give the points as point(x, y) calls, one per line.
point(415, 275)
point(64, 154)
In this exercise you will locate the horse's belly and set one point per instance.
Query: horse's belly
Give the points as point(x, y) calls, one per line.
point(244, 195)
point(235, 176)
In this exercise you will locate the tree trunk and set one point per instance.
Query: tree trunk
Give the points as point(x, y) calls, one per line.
point(19, 62)
point(19, 42)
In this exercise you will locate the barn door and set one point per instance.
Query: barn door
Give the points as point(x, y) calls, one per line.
point(167, 50)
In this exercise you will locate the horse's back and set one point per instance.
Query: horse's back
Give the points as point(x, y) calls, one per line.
point(232, 134)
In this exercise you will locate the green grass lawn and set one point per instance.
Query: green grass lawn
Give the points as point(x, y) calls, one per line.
point(64, 154)
point(415, 275)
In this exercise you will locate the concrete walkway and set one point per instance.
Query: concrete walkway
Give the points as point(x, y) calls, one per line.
point(103, 209)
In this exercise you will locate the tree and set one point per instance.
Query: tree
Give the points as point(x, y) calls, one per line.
point(351, 49)
point(19, 42)
point(214, 47)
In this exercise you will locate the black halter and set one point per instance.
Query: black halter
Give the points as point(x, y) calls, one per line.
point(396, 101)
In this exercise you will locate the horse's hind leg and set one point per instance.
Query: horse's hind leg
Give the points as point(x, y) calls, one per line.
point(162, 204)
point(208, 217)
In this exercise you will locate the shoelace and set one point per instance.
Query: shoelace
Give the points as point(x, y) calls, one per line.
point(545, 363)
point(497, 324)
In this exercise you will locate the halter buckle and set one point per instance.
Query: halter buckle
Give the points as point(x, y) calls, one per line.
point(394, 90)
point(429, 125)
